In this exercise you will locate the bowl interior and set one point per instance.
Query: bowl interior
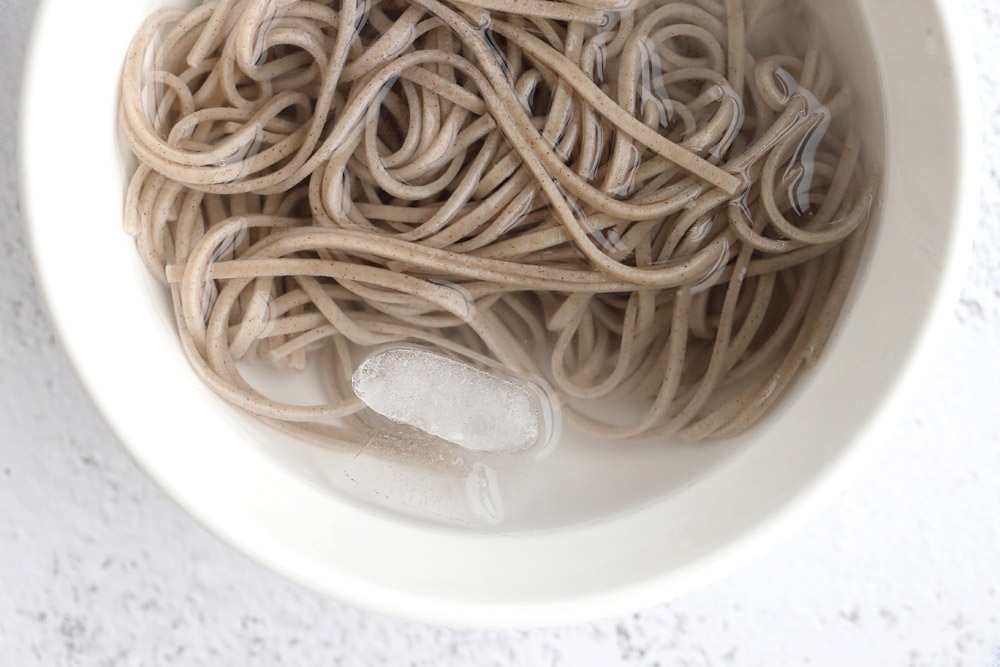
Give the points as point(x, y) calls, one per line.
point(585, 478)
point(667, 513)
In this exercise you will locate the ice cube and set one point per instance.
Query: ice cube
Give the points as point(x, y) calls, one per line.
point(479, 410)
point(414, 479)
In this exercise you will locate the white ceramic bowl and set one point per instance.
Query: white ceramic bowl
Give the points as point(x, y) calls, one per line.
point(597, 530)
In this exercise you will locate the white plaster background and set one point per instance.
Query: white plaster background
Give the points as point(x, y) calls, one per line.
point(903, 569)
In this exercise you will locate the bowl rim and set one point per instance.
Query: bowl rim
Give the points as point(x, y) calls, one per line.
point(566, 608)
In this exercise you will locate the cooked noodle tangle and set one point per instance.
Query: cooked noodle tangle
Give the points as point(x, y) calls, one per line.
point(657, 202)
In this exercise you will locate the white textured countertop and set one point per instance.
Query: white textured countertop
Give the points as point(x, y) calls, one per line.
point(98, 568)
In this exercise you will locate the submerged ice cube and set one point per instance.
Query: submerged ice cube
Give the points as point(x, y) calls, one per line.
point(479, 410)
point(414, 478)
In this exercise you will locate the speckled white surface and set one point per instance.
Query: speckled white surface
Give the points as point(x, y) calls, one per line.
point(98, 568)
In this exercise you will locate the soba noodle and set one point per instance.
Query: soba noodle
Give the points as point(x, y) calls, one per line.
point(661, 202)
